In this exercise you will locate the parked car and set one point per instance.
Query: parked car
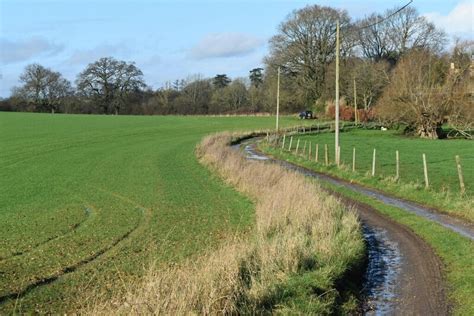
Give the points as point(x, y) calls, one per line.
point(306, 115)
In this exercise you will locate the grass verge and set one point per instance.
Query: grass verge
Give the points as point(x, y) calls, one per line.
point(443, 193)
point(304, 241)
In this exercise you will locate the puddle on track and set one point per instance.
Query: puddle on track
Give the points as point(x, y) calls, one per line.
point(382, 274)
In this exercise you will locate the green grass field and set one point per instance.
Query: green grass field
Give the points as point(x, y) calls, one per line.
point(444, 192)
point(90, 200)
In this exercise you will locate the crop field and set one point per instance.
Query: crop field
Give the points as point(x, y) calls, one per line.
point(89, 200)
point(444, 189)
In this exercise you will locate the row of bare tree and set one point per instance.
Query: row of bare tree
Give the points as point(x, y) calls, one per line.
point(396, 63)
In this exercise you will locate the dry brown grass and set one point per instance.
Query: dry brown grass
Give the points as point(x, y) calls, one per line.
point(298, 228)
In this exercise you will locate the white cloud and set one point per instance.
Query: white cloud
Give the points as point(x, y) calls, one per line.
point(219, 45)
point(23, 50)
point(458, 22)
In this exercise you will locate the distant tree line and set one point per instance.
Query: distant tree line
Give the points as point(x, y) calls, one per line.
point(395, 67)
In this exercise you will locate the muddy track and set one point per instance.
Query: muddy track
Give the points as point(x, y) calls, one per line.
point(404, 276)
point(417, 287)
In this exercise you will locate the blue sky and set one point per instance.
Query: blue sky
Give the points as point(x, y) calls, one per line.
point(168, 40)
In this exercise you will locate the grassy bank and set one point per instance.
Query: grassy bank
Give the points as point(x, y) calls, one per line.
point(302, 244)
point(443, 192)
point(87, 201)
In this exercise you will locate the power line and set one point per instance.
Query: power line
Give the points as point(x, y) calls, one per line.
point(386, 18)
point(348, 27)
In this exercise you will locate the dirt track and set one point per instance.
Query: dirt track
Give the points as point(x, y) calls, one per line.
point(420, 285)
point(417, 287)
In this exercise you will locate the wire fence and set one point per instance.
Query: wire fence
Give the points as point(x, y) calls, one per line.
point(288, 140)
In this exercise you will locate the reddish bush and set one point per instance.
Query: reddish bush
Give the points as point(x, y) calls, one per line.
point(346, 113)
point(365, 115)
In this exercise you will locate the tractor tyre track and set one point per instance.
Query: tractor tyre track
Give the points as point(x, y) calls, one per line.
point(73, 229)
point(72, 268)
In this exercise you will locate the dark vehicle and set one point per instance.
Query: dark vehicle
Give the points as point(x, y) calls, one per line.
point(306, 115)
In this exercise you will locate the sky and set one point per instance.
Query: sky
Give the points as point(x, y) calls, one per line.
point(167, 39)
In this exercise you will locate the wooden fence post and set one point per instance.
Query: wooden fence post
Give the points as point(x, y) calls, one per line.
point(425, 171)
point(297, 146)
point(373, 164)
point(397, 168)
point(326, 157)
point(316, 153)
point(309, 150)
point(461, 178)
point(291, 142)
point(353, 159)
point(283, 144)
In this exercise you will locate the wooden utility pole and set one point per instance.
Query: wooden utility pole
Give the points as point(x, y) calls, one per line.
point(355, 101)
point(339, 156)
point(278, 99)
point(336, 141)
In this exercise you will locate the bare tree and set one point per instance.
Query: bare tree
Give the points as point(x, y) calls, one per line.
point(195, 96)
point(390, 35)
point(232, 98)
point(43, 87)
point(305, 45)
point(370, 79)
point(237, 94)
point(461, 119)
point(375, 38)
point(110, 81)
point(423, 93)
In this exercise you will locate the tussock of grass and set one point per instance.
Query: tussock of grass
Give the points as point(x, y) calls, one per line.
point(303, 242)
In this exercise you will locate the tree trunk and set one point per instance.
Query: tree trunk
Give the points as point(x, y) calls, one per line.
point(430, 130)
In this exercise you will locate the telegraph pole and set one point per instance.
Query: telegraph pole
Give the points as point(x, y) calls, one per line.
point(278, 99)
point(336, 141)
